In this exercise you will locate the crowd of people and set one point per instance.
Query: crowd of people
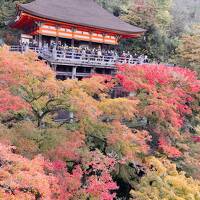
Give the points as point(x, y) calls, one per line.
point(85, 51)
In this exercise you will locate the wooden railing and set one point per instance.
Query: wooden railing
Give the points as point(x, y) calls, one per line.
point(70, 57)
point(22, 49)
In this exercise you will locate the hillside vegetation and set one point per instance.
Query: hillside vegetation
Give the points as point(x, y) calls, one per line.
point(138, 146)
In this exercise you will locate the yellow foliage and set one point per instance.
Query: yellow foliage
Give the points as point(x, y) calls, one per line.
point(120, 108)
point(164, 182)
point(95, 85)
point(83, 104)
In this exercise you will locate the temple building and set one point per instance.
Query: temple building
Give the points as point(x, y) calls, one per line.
point(64, 32)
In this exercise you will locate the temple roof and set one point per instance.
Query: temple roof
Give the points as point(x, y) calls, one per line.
point(80, 12)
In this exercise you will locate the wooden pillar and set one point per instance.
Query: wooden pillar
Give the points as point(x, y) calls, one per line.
point(117, 37)
point(57, 39)
point(40, 41)
point(104, 37)
point(39, 25)
point(73, 31)
point(72, 42)
point(90, 42)
point(57, 36)
point(54, 67)
point(74, 73)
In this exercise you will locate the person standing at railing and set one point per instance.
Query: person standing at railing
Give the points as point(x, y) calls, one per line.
point(141, 59)
point(128, 56)
point(54, 52)
point(99, 54)
point(123, 57)
point(90, 54)
point(116, 56)
point(83, 53)
point(22, 47)
point(73, 52)
point(146, 60)
point(26, 47)
point(46, 47)
point(52, 45)
point(59, 45)
point(130, 59)
point(34, 43)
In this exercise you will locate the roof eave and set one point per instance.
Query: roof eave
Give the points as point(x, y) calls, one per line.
point(21, 8)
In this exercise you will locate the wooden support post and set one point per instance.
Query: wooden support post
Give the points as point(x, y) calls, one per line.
point(57, 40)
point(39, 25)
point(104, 37)
point(90, 44)
point(54, 67)
point(72, 42)
point(93, 70)
point(73, 31)
point(74, 73)
point(57, 36)
point(40, 41)
point(117, 39)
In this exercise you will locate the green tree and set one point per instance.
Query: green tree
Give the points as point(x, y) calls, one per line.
point(155, 17)
point(189, 49)
point(7, 14)
point(117, 7)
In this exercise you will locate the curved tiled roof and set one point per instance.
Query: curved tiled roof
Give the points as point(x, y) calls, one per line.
point(80, 12)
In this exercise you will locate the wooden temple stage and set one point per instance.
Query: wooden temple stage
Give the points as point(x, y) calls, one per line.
point(73, 23)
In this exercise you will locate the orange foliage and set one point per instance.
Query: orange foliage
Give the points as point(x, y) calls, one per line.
point(21, 178)
point(11, 103)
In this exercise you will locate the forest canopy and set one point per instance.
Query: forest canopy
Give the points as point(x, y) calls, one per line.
point(137, 146)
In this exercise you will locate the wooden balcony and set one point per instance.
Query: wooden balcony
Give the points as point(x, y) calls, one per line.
point(62, 57)
point(67, 63)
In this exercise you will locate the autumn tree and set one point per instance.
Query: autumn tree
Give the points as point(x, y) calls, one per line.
point(24, 179)
point(163, 181)
point(7, 14)
point(155, 17)
point(92, 180)
point(166, 99)
point(185, 14)
point(189, 49)
point(117, 7)
point(34, 83)
point(41, 179)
